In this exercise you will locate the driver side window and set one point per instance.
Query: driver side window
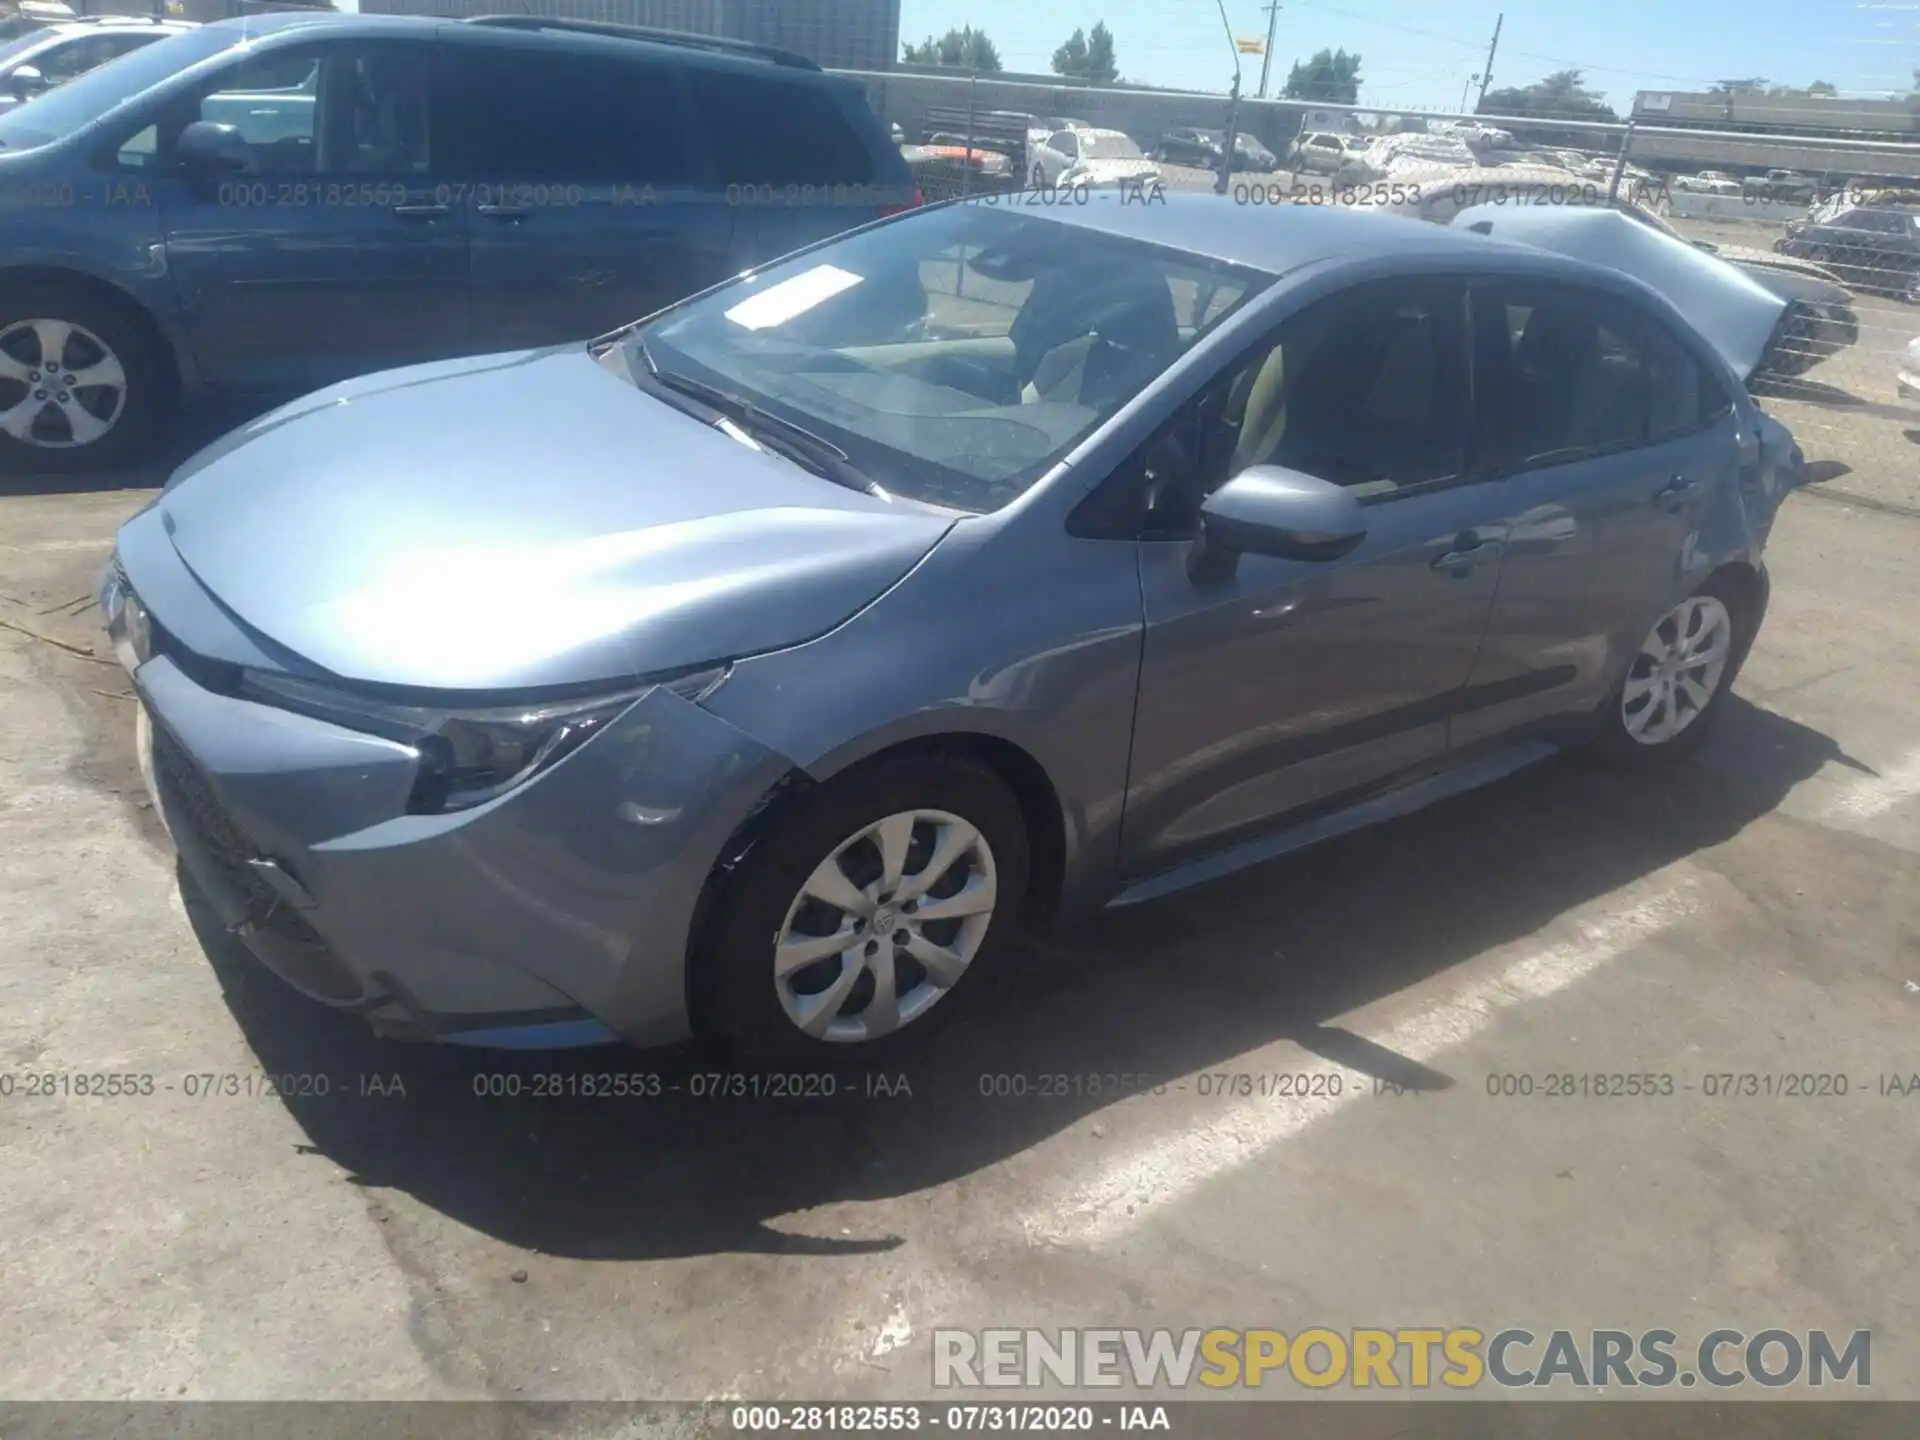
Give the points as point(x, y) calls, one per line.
point(1367, 389)
point(344, 109)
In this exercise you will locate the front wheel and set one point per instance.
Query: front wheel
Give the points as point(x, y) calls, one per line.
point(81, 384)
point(1678, 679)
point(873, 904)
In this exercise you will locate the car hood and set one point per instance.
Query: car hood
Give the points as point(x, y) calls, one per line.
point(1109, 172)
point(1731, 309)
point(519, 521)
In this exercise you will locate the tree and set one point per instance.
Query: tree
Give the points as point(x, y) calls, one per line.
point(964, 49)
point(1330, 76)
point(1088, 57)
point(1560, 96)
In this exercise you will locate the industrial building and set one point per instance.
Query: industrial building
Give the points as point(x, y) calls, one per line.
point(836, 34)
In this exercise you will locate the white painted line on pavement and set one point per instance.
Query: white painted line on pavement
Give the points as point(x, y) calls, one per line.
point(1871, 796)
point(1130, 1189)
point(103, 546)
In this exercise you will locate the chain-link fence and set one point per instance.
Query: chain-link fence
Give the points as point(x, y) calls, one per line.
point(1830, 224)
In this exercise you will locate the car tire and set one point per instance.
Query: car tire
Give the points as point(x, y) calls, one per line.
point(1717, 617)
point(1039, 178)
point(102, 340)
point(933, 805)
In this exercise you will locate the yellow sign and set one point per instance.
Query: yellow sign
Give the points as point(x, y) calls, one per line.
point(1250, 47)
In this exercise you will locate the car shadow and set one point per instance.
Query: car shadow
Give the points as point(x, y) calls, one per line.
point(190, 431)
point(1167, 989)
point(1810, 392)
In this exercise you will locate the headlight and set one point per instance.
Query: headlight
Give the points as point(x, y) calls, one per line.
point(471, 756)
point(128, 625)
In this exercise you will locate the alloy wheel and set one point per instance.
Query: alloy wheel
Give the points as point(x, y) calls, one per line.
point(1678, 670)
point(61, 385)
point(885, 926)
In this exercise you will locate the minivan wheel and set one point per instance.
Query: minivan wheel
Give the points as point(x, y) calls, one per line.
point(872, 904)
point(1679, 677)
point(81, 387)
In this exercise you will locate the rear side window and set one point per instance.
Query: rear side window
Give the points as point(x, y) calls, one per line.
point(1588, 376)
point(521, 115)
point(778, 132)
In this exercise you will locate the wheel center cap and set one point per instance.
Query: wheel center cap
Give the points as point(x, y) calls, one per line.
point(883, 920)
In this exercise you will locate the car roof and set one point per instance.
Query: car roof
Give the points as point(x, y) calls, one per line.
point(1284, 238)
point(516, 38)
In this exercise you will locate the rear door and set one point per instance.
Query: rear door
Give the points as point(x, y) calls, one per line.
point(577, 171)
point(1611, 437)
point(801, 157)
point(335, 253)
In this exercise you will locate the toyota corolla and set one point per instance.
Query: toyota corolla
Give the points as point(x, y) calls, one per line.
point(758, 670)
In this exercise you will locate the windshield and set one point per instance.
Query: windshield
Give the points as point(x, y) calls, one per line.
point(70, 107)
point(1109, 147)
point(957, 355)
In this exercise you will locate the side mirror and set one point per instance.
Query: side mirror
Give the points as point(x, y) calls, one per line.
point(208, 148)
point(1270, 510)
point(27, 82)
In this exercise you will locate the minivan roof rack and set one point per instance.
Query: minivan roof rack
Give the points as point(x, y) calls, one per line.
point(719, 46)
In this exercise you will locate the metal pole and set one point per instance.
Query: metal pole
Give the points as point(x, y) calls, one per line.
point(1463, 92)
point(1233, 108)
point(1620, 165)
point(1486, 75)
point(1266, 58)
point(966, 165)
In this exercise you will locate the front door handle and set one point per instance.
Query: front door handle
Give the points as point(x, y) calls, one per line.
point(1675, 493)
point(1466, 552)
point(504, 212)
point(421, 212)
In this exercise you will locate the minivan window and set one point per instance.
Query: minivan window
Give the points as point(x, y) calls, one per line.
point(958, 357)
point(778, 132)
point(67, 109)
point(509, 115)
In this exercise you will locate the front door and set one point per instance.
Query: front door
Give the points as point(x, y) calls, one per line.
point(335, 252)
point(1290, 684)
point(1612, 436)
point(589, 206)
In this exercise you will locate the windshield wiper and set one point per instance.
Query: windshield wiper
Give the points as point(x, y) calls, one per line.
point(795, 442)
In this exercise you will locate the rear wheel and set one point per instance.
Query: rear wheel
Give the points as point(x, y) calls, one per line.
point(870, 907)
point(1678, 679)
point(82, 385)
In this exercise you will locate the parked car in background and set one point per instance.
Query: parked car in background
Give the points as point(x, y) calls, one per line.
point(1189, 147)
point(1250, 154)
point(1707, 184)
point(1157, 541)
point(31, 15)
point(953, 149)
point(1322, 153)
point(289, 202)
point(1076, 159)
point(1907, 376)
point(51, 55)
point(1876, 247)
point(1788, 185)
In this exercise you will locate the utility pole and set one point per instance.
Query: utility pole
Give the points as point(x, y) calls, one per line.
point(1225, 178)
point(1266, 58)
point(1486, 74)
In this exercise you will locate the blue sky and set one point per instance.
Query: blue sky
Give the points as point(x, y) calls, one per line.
point(1421, 54)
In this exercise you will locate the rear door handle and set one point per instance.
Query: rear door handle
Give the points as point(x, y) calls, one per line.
point(1675, 493)
point(504, 212)
point(421, 212)
point(1467, 551)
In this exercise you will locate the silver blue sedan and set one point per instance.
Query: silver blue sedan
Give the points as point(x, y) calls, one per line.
point(759, 670)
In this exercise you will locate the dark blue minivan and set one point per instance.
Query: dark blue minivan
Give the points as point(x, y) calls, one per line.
point(267, 205)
